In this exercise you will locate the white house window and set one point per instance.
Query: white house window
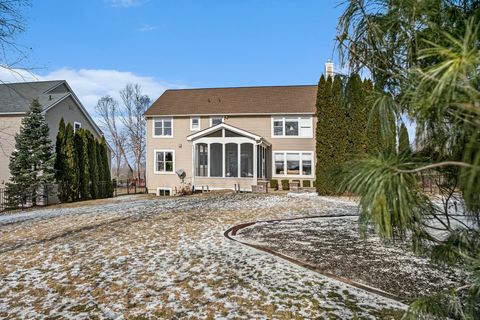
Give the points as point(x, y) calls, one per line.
point(279, 163)
point(163, 127)
point(292, 127)
point(216, 120)
point(194, 123)
point(293, 163)
point(164, 192)
point(76, 126)
point(164, 161)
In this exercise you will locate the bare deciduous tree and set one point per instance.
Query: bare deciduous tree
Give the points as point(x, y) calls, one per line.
point(126, 126)
point(109, 112)
point(135, 104)
point(11, 24)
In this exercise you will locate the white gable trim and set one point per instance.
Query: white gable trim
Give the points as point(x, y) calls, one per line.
point(223, 126)
point(248, 135)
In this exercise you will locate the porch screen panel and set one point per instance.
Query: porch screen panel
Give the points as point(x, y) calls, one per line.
point(231, 160)
point(202, 160)
point(216, 160)
point(246, 160)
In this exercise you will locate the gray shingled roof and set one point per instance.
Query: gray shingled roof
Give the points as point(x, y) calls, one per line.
point(17, 97)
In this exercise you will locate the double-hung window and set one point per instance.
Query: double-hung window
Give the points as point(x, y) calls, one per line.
point(76, 126)
point(163, 127)
point(292, 126)
point(293, 163)
point(216, 120)
point(194, 123)
point(164, 161)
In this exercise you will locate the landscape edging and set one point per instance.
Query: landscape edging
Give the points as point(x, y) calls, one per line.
point(232, 231)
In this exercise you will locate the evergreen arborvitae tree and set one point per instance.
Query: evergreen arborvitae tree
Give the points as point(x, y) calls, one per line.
point(81, 148)
point(32, 161)
point(101, 175)
point(358, 116)
point(403, 140)
point(374, 133)
point(93, 165)
point(106, 175)
point(71, 173)
point(325, 144)
point(60, 162)
point(339, 124)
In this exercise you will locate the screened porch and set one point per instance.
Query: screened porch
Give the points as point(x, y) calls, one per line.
point(224, 155)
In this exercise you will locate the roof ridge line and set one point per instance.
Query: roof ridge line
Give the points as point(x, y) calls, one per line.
point(245, 87)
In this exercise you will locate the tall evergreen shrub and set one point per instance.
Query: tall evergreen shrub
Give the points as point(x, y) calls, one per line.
point(31, 163)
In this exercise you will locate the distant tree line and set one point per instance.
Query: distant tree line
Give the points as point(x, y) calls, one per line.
point(82, 168)
point(347, 129)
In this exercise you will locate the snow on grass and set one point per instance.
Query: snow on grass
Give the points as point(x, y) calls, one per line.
point(165, 258)
point(335, 246)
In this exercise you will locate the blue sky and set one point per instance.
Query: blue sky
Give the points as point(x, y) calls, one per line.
point(194, 43)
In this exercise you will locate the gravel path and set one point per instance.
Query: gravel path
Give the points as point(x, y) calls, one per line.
point(166, 258)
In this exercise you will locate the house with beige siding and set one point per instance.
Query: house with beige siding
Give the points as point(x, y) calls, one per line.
point(58, 101)
point(230, 138)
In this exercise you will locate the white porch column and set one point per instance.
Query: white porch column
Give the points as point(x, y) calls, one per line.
point(223, 160)
point(254, 163)
point(239, 160)
point(208, 160)
point(194, 147)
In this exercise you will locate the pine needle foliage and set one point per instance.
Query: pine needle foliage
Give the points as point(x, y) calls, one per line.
point(403, 140)
point(31, 163)
point(424, 59)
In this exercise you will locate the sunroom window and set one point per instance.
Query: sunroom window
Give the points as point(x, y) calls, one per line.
point(293, 163)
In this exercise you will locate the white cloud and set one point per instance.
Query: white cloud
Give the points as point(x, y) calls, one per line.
point(146, 28)
point(91, 84)
point(126, 3)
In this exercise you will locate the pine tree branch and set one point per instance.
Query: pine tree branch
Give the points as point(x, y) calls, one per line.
point(437, 165)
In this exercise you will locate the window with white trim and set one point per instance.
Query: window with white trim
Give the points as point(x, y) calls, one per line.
point(163, 127)
point(293, 163)
point(164, 191)
point(194, 123)
point(292, 126)
point(216, 120)
point(164, 161)
point(76, 126)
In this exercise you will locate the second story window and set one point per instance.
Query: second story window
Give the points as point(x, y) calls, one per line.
point(76, 126)
point(292, 126)
point(195, 123)
point(216, 120)
point(163, 127)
